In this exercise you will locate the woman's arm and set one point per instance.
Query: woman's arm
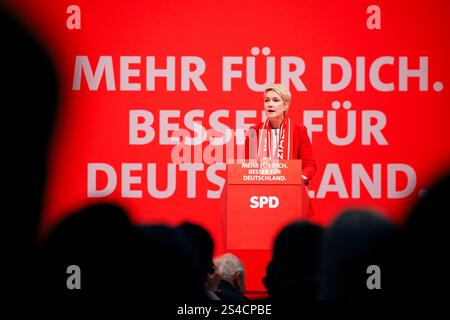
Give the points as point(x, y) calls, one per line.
point(305, 153)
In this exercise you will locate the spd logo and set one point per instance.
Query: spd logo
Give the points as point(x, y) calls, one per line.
point(264, 201)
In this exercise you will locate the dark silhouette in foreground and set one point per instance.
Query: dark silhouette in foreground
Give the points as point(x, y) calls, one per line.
point(292, 274)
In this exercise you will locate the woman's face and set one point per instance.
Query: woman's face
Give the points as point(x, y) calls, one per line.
point(274, 105)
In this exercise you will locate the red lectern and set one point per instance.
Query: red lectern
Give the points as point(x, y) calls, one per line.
point(261, 198)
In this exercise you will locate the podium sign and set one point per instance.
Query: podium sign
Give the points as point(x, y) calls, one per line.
point(261, 198)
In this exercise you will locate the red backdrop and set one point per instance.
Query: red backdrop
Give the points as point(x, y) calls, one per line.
point(94, 124)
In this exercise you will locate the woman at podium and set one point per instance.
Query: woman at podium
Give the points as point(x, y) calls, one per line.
point(278, 137)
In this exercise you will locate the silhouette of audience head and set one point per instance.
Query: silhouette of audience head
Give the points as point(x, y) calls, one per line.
point(96, 239)
point(293, 271)
point(202, 243)
point(204, 247)
point(356, 240)
point(29, 103)
point(424, 265)
point(169, 264)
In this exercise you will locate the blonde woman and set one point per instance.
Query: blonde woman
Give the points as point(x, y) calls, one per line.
point(278, 137)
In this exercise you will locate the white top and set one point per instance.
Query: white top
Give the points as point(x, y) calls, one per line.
point(275, 141)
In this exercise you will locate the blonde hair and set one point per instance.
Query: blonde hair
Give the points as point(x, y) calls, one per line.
point(281, 90)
